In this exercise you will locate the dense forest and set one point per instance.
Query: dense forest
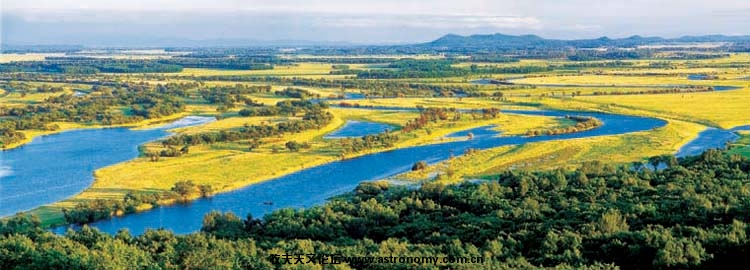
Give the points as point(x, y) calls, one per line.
point(691, 214)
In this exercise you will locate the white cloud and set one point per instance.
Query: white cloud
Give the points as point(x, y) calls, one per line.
point(370, 20)
point(434, 22)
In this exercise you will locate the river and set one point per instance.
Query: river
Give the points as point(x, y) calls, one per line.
point(314, 185)
point(54, 167)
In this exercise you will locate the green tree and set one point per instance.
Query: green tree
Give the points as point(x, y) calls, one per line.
point(115, 254)
point(206, 190)
point(226, 225)
point(293, 146)
point(183, 188)
point(611, 222)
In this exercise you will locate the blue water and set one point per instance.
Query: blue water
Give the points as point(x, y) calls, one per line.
point(349, 95)
point(697, 77)
point(711, 138)
point(358, 129)
point(485, 81)
point(488, 81)
point(54, 167)
point(313, 186)
point(476, 132)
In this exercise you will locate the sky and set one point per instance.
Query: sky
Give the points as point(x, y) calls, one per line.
point(174, 22)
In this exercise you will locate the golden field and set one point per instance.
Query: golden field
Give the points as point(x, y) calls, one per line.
point(229, 166)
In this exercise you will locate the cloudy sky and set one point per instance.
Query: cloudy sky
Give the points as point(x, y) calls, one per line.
point(154, 22)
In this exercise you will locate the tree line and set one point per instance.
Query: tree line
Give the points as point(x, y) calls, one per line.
point(582, 123)
point(314, 116)
point(434, 115)
point(101, 209)
point(427, 115)
point(89, 65)
point(227, 97)
point(691, 214)
point(371, 88)
point(441, 68)
point(384, 139)
point(674, 90)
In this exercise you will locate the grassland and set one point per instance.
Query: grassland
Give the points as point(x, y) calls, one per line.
point(231, 165)
point(279, 70)
point(228, 166)
point(634, 80)
point(617, 149)
point(11, 57)
point(721, 109)
point(687, 115)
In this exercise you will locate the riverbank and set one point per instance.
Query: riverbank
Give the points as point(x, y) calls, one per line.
point(688, 116)
point(68, 126)
point(618, 149)
point(313, 186)
point(56, 167)
point(228, 166)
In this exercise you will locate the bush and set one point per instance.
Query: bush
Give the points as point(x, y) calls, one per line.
point(419, 166)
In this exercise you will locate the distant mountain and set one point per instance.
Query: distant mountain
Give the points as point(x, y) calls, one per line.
point(502, 41)
point(521, 44)
point(451, 40)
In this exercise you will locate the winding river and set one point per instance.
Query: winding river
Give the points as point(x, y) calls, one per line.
point(55, 167)
point(314, 185)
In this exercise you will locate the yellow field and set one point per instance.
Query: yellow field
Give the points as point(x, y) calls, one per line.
point(299, 69)
point(458, 103)
point(16, 99)
point(14, 57)
point(411, 56)
point(613, 80)
point(722, 109)
point(567, 154)
point(228, 166)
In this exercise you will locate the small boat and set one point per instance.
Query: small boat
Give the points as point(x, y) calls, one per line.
point(268, 203)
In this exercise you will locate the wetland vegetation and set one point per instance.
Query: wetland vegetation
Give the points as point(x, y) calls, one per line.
point(540, 154)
